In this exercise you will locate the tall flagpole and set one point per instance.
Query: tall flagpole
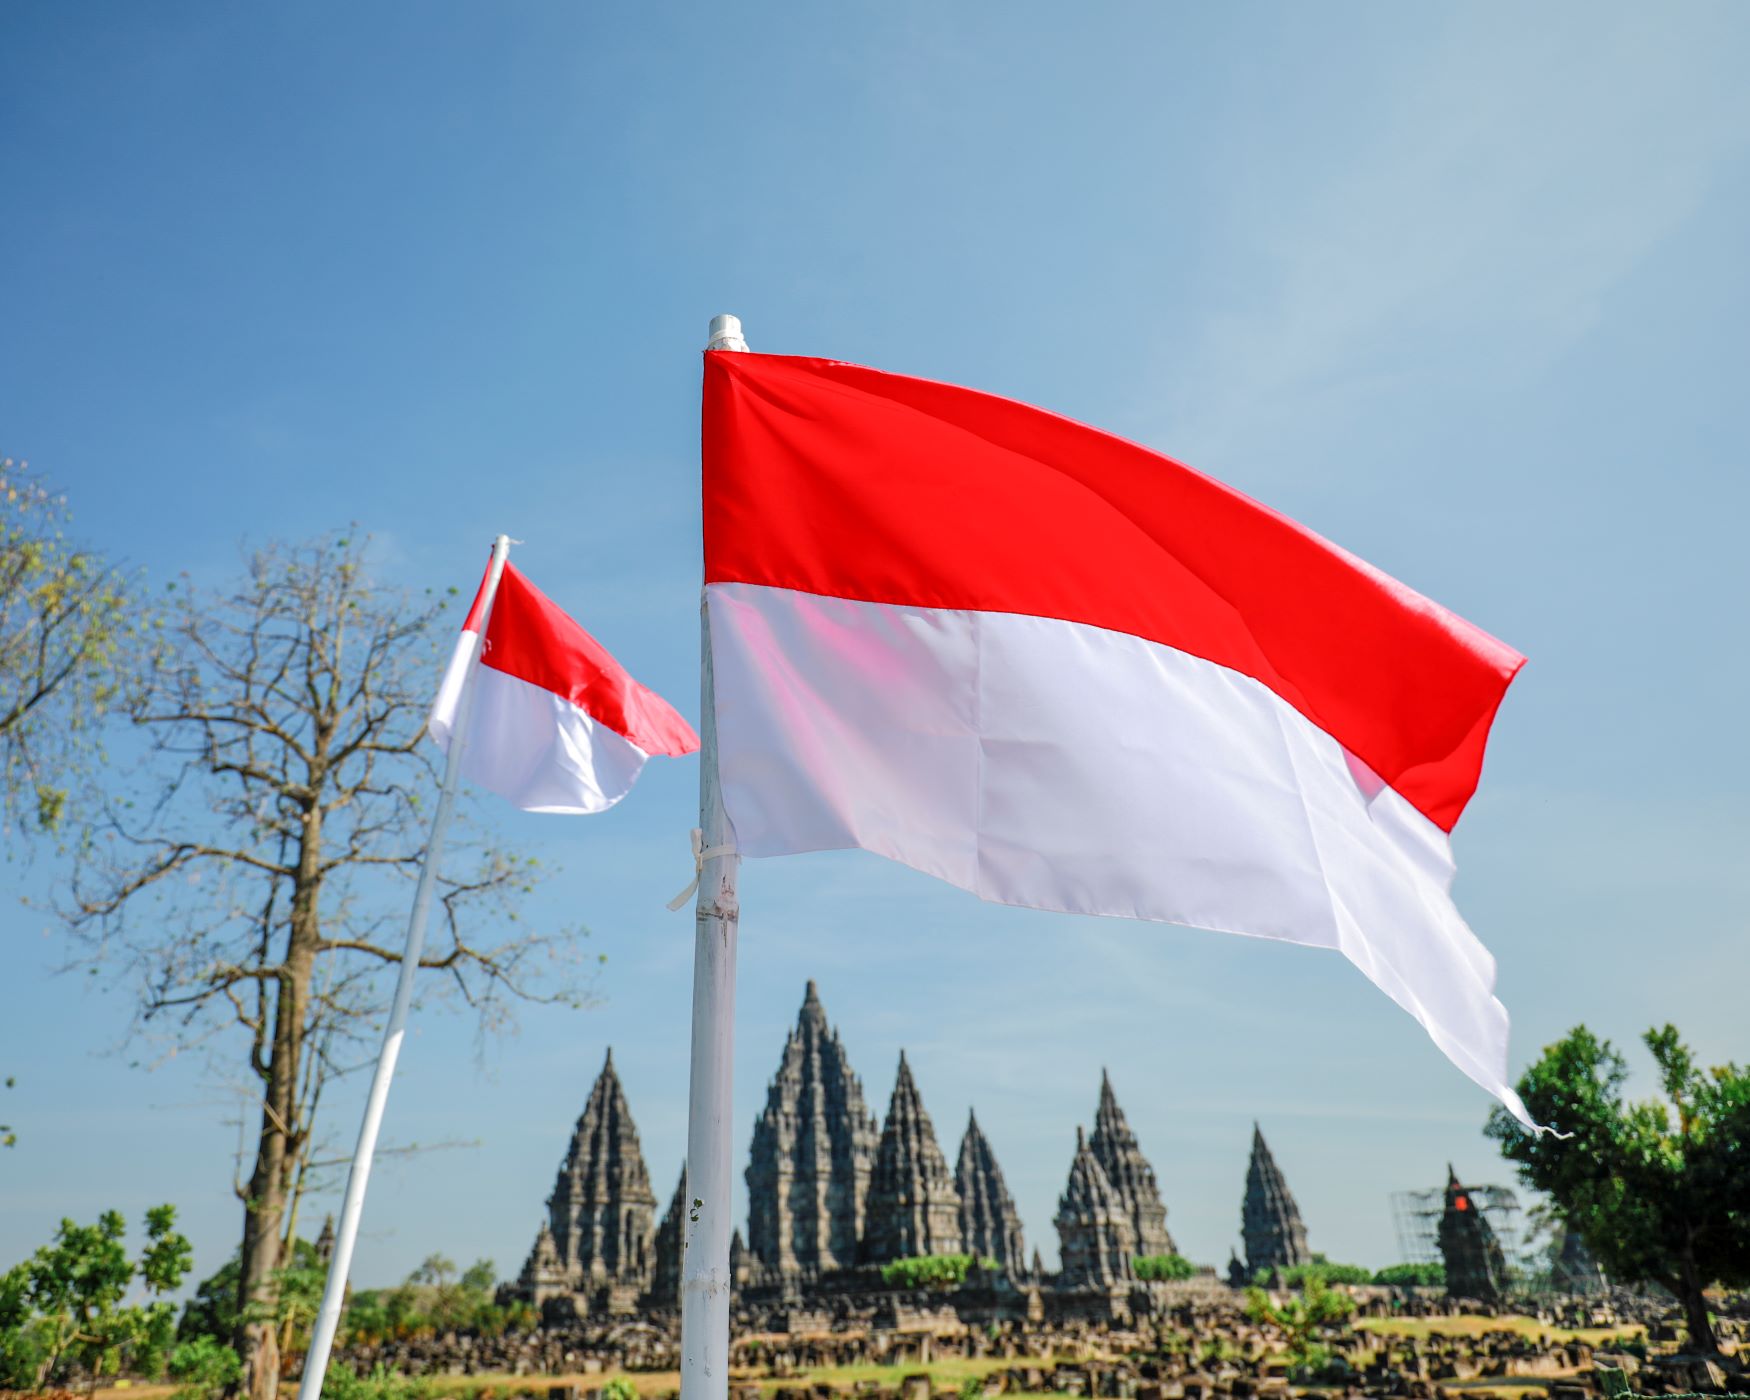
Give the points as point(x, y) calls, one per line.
point(334, 1293)
point(705, 1227)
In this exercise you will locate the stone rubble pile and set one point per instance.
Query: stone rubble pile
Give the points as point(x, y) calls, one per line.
point(1179, 1344)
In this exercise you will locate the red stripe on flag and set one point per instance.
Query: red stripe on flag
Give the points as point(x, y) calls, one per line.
point(847, 482)
point(533, 639)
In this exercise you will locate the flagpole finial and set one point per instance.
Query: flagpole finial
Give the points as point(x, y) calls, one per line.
point(725, 334)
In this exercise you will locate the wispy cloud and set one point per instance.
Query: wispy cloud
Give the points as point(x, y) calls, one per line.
point(1516, 171)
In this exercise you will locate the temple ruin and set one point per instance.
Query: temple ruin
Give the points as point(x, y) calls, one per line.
point(990, 1227)
point(1270, 1221)
point(1476, 1267)
point(912, 1207)
point(813, 1154)
point(833, 1197)
point(1132, 1178)
point(594, 1251)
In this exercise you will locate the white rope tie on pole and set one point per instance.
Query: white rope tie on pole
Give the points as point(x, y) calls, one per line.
point(701, 854)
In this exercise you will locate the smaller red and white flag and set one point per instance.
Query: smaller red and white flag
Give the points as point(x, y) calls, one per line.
point(556, 724)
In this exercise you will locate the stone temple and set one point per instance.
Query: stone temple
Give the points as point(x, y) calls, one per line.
point(1096, 1240)
point(814, 1149)
point(1270, 1221)
point(912, 1208)
point(990, 1228)
point(1475, 1265)
point(833, 1197)
point(595, 1249)
point(1114, 1147)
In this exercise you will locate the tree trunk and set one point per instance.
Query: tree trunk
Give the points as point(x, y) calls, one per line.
point(1701, 1330)
point(262, 1210)
point(263, 1251)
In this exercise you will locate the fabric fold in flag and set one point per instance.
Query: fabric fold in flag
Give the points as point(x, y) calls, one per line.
point(556, 724)
point(1063, 671)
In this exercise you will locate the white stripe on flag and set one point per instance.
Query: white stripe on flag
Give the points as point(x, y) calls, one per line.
point(1063, 766)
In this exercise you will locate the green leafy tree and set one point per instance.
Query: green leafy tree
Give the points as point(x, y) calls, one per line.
point(1656, 1189)
point(65, 1306)
point(1302, 1321)
point(1164, 1267)
point(212, 1311)
point(254, 899)
point(480, 1278)
point(67, 629)
point(435, 1272)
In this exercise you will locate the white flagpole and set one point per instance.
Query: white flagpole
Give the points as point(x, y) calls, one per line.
point(705, 1228)
point(334, 1293)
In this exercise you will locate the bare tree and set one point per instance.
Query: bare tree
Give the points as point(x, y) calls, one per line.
point(66, 628)
point(254, 889)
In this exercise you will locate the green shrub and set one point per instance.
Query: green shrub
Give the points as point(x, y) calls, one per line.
point(1302, 1320)
point(205, 1367)
point(1324, 1271)
point(1166, 1268)
point(619, 1388)
point(342, 1383)
point(931, 1270)
point(1412, 1276)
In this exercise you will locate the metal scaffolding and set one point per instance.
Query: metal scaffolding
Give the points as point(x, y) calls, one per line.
point(1417, 1217)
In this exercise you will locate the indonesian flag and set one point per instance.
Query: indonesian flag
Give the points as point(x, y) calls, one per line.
point(556, 724)
point(1062, 671)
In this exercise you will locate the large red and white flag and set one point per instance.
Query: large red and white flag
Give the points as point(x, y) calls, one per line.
point(1063, 671)
point(556, 724)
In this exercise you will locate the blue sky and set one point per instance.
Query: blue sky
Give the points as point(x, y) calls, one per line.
point(1463, 288)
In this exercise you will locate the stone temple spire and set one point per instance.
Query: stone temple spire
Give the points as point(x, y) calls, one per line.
point(813, 1151)
point(912, 1207)
point(543, 1275)
point(665, 1262)
point(1475, 1266)
point(990, 1228)
point(1131, 1177)
point(1269, 1219)
point(1096, 1241)
point(602, 1209)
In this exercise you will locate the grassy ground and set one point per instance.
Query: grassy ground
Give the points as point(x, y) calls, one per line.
point(1475, 1326)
